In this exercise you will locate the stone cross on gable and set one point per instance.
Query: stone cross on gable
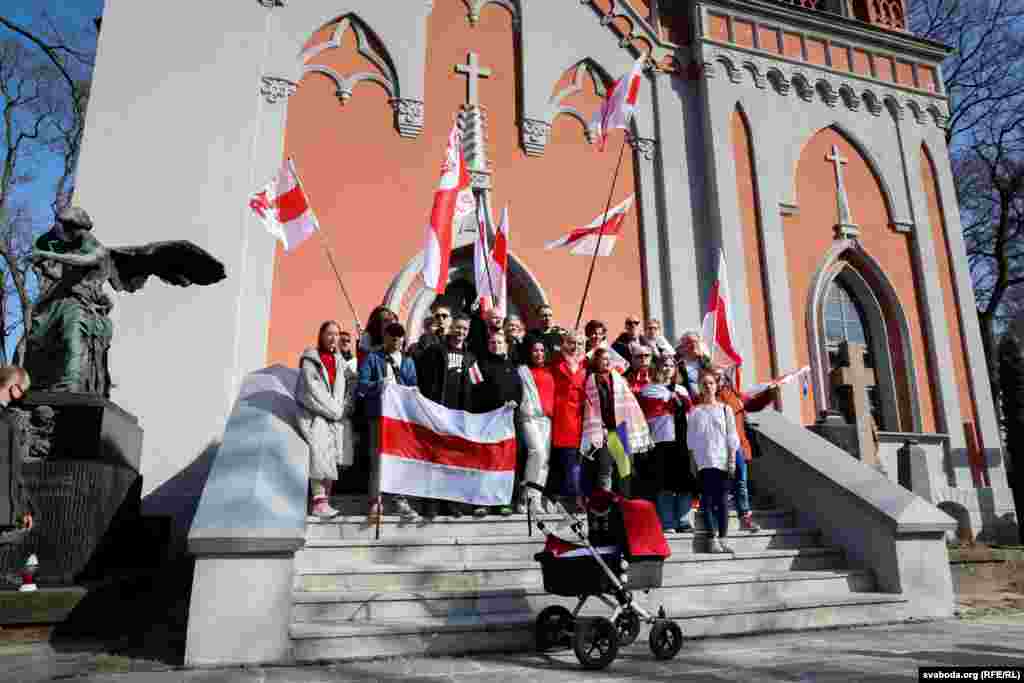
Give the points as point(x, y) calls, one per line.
point(474, 72)
point(853, 373)
point(473, 121)
point(845, 228)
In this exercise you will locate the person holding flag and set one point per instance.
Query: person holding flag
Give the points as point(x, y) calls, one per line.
point(614, 427)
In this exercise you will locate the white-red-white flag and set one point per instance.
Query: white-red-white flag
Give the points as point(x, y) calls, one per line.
point(453, 200)
point(717, 328)
point(284, 209)
point(583, 241)
point(430, 451)
point(619, 105)
point(490, 263)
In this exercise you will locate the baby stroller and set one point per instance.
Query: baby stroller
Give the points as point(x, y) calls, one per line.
point(623, 550)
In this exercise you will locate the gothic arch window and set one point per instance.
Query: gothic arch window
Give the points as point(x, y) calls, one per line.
point(849, 308)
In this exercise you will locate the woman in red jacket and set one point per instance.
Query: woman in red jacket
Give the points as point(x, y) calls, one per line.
point(570, 374)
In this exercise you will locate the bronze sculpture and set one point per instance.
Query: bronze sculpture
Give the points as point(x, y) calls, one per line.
point(68, 344)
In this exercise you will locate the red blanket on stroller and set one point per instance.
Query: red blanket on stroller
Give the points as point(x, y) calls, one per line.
point(642, 526)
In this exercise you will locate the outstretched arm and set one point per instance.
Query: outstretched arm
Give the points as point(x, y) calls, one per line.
point(69, 259)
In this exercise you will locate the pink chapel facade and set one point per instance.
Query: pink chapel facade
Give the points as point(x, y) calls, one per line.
point(804, 140)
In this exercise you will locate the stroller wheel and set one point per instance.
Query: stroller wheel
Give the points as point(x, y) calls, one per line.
point(554, 627)
point(596, 642)
point(628, 626)
point(666, 639)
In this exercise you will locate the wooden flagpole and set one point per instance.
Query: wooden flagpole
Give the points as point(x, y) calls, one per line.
point(327, 250)
point(600, 234)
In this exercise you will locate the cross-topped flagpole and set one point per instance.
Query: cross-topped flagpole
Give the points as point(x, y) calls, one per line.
point(327, 250)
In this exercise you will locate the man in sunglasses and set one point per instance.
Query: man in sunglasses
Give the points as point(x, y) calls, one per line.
point(631, 335)
point(432, 336)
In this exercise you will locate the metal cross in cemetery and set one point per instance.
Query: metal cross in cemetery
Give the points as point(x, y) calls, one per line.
point(855, 374)
point(845, 228)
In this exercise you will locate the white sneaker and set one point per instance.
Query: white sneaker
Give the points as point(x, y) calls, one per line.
point(322, 509)
point(722, 547)
point(405, 511)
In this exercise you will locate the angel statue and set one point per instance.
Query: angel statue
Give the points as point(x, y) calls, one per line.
point(68, 344)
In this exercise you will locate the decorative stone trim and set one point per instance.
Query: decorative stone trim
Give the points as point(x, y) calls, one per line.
point(905, 227)
point(409, 117)
point(480, 180)
point(475, 7)
point(644, 147)
point(275, 88)
point(812, 83)
point(270, 4)
point(789, 209)
point(534, 135)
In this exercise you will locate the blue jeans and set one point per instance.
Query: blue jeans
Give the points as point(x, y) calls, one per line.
point(713, 500)
point(672, 510)
point(740, 493)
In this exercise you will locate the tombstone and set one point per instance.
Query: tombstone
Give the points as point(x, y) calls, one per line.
point(78, 456)
point(851, 382)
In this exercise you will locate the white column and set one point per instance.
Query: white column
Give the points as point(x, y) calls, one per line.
point(724, 218)
point(676, 215)
point(933, 309)
point(988, 425)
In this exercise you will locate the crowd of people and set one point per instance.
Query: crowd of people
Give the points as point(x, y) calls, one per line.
point(637, 415)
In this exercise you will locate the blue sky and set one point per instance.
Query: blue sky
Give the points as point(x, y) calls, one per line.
point(72, 15)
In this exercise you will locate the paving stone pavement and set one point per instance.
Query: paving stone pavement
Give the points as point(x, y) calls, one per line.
point(864, 655)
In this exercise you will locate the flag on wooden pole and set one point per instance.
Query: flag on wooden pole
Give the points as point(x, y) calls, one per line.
point(490, 264)
point(619, 106)
point(583, 241)
point(283, 208)
point(452, 201)
point(717, 328)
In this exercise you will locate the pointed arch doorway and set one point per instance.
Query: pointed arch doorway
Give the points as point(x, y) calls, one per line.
point(411, 300)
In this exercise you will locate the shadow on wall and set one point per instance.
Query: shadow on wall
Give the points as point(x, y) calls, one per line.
point(178, 497)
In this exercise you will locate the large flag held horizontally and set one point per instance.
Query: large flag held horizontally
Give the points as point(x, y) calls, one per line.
point(429, 451)
point(453, 200)
point(718, 328)
point(583, 241)
point(284, 209)
point(490, 264)
point(620, 104)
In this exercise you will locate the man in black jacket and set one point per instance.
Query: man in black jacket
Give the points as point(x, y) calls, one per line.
point(548, 333)
point(448, 374)
point(501, 386)
point(14, 383)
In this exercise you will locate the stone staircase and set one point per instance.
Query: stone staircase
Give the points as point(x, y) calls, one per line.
point(459, 585)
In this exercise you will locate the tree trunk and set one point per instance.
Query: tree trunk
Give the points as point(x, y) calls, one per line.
point(987, 322)
point(1011, 372)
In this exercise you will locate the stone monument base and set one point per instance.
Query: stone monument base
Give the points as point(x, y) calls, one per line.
point(79, 460)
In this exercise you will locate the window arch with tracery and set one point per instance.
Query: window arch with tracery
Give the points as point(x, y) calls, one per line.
point(845, 321)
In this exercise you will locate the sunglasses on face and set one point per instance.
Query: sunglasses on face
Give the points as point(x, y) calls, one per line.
point(632, 323)
point(442, 316)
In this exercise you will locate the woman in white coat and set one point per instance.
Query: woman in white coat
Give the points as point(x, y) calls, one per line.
point(323, 392)
point(711, 436)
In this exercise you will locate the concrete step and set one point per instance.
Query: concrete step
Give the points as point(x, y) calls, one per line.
point(458, 576)
point(510, 631)
point(355, 526)
point(324, 552)
point(695, 592)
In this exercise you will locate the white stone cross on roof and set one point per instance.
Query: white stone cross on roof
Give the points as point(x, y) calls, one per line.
point(474, 72)
point(846, 226)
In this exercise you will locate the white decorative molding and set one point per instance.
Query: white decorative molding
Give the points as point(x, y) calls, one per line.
point(346, 83)
point(813, 83)
point(409, 117)
point(475, 7)
point(905, 227)
point(270, 4)
point(534, 135)
point(645, 147)
point(845, 228)
point(275, 88)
